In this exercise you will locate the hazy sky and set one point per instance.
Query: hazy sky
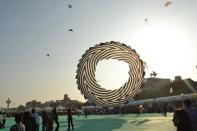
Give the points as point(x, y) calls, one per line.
point(29, 29)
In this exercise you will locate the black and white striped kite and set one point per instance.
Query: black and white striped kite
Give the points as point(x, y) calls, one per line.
point(88, 85)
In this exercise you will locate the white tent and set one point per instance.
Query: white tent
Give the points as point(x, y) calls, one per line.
point(37, 109)
point(48, 108)
point(60, 108)
point(91, 107)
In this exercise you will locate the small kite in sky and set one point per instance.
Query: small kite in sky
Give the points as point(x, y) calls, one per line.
point(71, 30)
point(70, 6)
point(168, 3)
point(146, 20)
point(154, 74)
point(48, 55)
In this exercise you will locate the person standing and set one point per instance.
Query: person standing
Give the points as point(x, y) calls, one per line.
point(44, 120)
point(4, 120)
point(86, 113)
point(140, 110)
point(165, 109)
point(27, 121)
point(70, 119)
point(192, 113)
point(1, 120)
point(49, 122)
point(182, 121)
point(137, 109)
point(55, 117)
point(35, 115)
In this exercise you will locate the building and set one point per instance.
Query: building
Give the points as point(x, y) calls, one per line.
point(33, 104)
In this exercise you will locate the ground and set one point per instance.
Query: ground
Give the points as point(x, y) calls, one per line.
point(146, 122)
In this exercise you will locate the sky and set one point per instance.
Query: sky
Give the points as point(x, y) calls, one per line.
point(164, 37)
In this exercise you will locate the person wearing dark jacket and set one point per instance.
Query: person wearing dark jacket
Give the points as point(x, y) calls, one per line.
point(70, 119)
point(181, 120)
point(192, 113)
point(55, 117)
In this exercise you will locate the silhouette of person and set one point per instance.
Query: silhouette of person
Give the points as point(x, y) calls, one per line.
point(4, 120)
point(35, 115)
point(27, 121)
point(70, 119)
point(49, 122)
point(1, 120)
point(165, 109)
point(55, 117)
point(122, 111)
point(181, 120)
point(44, 121)
point(86, 113)
point(138, 110)
point(192, 113)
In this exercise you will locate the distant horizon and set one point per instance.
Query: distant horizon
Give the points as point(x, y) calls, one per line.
point(86, 99)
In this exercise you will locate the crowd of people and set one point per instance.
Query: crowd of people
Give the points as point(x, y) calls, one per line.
point(30, 121)
point(184, 118)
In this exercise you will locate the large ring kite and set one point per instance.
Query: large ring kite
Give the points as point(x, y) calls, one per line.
point(87, 83)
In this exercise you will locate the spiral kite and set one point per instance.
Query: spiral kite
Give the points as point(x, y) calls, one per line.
point(88, 85)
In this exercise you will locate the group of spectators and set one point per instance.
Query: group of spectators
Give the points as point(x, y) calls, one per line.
point(27, 121)
point(30, 121)
point(184, 118)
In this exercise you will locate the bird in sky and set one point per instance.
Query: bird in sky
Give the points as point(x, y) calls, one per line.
point(146, 20)
point(167, 3)
point(154, 74)
point(48, 55)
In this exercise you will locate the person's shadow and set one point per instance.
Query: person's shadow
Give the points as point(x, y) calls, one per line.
point(107, 124)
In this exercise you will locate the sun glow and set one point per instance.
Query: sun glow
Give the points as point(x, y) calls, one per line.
point(167, 46)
